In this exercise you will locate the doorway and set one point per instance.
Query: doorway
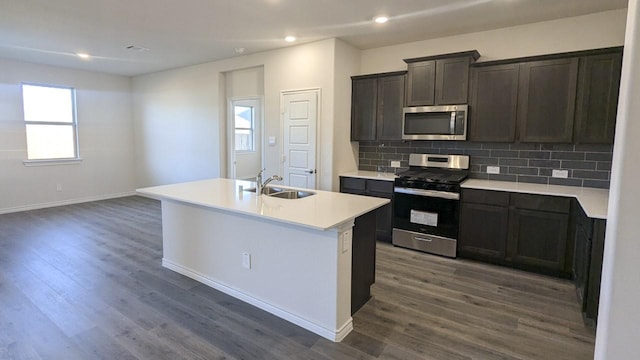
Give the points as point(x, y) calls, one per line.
point(299, 123)
point(245, 138)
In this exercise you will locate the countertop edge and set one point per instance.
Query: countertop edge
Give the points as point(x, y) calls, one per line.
point(370, 175)
point(593, 208)
point(148, 192)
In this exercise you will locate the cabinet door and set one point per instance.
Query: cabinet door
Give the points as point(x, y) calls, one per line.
point(493, 103)
point(421, 79)
point(384, 215)
point(595, 269)
point(363, 109)
point(483, 231)
point(538, 239)
point(546, 100)
point(452, 81)
point(389, 111)
point(351, 185)
point(596, 108)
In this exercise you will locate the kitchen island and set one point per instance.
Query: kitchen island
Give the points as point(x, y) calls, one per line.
point(290, 257)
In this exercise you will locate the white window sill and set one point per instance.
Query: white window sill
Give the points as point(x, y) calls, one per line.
point(52, 162)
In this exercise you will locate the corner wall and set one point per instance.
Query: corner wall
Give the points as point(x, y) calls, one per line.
point(105, 137)
point(180, 122)
point(619, 315)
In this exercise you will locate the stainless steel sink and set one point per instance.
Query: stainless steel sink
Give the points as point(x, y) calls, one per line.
point(292, 194)
point(283, 193)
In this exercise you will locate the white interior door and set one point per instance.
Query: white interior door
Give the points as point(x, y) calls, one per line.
point(300, 116)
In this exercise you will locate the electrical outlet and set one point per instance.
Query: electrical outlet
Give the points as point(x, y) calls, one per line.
point(560, 174)
point(246, 260)
point(346, 240)
point(58, 187)
point(395, 164)
point(493, 169)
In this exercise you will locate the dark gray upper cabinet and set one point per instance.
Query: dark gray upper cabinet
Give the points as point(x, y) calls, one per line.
point(493, 103)
point(596, 107)
point(546, 100)
point(421, 81)
point(376, 106)
point(390, 103)
point(364, 95)
point(557, 98)
point(439, 80)
point(452, 80)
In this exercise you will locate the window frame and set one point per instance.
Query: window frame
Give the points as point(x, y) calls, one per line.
point(252, 130)
point(74, 126)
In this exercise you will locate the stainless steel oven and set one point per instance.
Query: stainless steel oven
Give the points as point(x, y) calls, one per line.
point(426, 202)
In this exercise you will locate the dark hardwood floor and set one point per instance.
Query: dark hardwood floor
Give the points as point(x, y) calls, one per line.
point(85, 282)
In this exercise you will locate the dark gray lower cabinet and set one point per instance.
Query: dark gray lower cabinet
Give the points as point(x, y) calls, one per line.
point(376, 188)
point(363, 265)
point(538, 233)
point(587, 265)
point(518, 230)
point(484, 219)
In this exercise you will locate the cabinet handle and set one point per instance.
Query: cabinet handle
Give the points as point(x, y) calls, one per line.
point(424, 239)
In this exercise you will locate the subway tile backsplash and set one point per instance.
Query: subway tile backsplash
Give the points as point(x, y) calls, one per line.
point(587, 165)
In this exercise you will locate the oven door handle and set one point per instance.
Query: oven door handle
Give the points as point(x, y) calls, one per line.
point(428, 193)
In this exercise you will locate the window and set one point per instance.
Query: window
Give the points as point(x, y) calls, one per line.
point(50, 120)
point(244, 128)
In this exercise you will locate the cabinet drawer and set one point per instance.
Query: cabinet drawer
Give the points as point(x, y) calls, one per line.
point(485, 197)
point(352, 185)
point(541, 203)
point(380, 186)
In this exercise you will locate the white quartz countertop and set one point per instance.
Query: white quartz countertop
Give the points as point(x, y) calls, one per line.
point(322, 211)
point(363, 174)
point(594, 202)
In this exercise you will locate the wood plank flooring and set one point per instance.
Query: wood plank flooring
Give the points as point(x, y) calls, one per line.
point(85, 282)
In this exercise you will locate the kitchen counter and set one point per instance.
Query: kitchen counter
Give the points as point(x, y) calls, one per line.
point(372, 175)
point(323, 211)
point(290, 257)
point(594, 202)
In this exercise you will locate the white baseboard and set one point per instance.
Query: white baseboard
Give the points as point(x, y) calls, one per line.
point(64, 202)
point(336, 335)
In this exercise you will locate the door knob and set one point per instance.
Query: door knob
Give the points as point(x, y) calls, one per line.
point(310, 171)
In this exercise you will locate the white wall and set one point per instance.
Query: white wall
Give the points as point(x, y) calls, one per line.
point(345, 155)
point(597, 30)
point(240, 84)
point(179, 114)
point(619, 317)
point(105, 139)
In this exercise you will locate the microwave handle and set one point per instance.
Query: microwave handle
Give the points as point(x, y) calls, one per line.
point(452, 123)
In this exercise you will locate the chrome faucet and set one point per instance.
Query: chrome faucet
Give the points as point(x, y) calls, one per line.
point(260, 185)
point(266, 182)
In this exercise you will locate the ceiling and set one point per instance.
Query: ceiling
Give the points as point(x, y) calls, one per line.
point(178, 33)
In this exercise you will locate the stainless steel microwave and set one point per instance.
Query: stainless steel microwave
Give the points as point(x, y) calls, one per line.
point(435, 122)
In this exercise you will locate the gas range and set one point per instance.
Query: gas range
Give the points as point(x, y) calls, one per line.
point(434, 172)
point(426, 203)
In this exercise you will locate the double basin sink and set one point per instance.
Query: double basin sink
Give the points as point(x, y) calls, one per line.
point(283, 193)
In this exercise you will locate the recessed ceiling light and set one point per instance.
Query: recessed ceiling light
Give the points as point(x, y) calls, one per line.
point(290, 38)
point(381, 19)
point(84, 56)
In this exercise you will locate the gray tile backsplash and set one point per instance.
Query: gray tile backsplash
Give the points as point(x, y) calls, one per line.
point(587, 165)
